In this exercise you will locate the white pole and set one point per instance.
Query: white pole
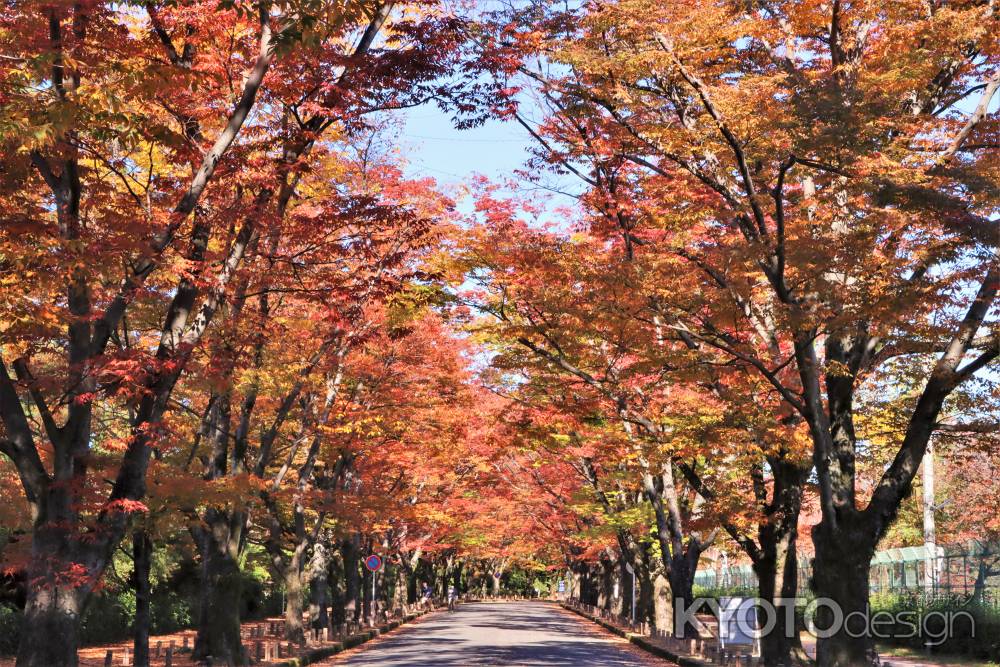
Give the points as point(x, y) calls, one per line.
point(930, 537)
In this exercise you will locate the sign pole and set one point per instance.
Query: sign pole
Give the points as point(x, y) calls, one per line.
point(374, 563)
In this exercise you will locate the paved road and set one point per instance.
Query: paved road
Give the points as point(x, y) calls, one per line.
point(517, 634)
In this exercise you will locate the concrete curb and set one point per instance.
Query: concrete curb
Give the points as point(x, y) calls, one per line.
point(641, 641)
point(357, 639)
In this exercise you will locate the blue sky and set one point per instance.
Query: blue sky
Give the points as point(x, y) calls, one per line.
point(433, 147)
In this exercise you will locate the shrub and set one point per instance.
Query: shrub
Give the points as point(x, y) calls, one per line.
point(10, 629)
point(974, 629)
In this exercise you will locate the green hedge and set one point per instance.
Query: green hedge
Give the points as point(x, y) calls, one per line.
point(973, 630)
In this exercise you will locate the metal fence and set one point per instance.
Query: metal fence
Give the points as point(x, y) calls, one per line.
point(969, 571)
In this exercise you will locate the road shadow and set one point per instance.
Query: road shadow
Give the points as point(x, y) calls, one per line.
point(513, 634)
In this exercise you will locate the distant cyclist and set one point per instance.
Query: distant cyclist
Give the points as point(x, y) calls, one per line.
point(452, 597)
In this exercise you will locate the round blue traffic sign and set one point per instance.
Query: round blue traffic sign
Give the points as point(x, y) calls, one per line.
point(374, 562)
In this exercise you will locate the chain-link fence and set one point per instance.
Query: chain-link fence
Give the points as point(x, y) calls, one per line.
point(970, 571)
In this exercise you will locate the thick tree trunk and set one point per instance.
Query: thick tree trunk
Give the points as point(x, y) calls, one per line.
point(605, 585)
point(62, 572)
point(680, 559)
point(319, 586)
point(663, 604)
point(777, 577)
point(352, 585)
point(398, 587)
point(776, 563)
point(840, 573)
point(411, 584)
point(625, 588)
point(336, 579)
point(681, 578)
point(50, 630)
point(590, 586)
point(142, 548)
point(218, 640)
point(294, 599)
point(645, 567)
point(441, 577)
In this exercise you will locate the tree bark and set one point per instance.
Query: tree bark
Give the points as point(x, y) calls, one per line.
point(294, 598)
point(681, 577)
point(663, 604)
point(777, 581)
point(142, 548)
point(319, 585)
point(840, 573)
point(366, 594)
point(63, 571)
point(50, 630)
point(352, 586)
point(218, 641)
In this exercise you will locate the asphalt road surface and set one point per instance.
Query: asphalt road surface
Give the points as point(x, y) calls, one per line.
point(517, 634)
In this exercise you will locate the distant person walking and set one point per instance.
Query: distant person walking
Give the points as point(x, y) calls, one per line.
point(452, 597)
point(425, 596)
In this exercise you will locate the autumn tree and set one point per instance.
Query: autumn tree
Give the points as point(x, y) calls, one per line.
point(819, 181)
point(140, 173)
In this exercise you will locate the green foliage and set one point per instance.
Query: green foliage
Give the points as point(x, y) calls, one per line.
point(174, 578)
point(108, 617)
point(520, 581)
point(716, 592)
point(974, 630)
point(10, 629)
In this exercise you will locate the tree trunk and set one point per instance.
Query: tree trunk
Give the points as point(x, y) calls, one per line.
point(366, 594)
point(400, 593)
point(626, 589)
point(319, 586)
point(62, 574)
point(776, 563)
point(142, 548)
point(218, 640)
point(663, 604)
point(51, 626)
point(840, 573)
point(605, 588)
point(336, 579)
point(645, 610)
point(681, 578)
point(777, 580)
point(456, 577)
point(349, 550)
point(294, 598)
point(411, 586)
